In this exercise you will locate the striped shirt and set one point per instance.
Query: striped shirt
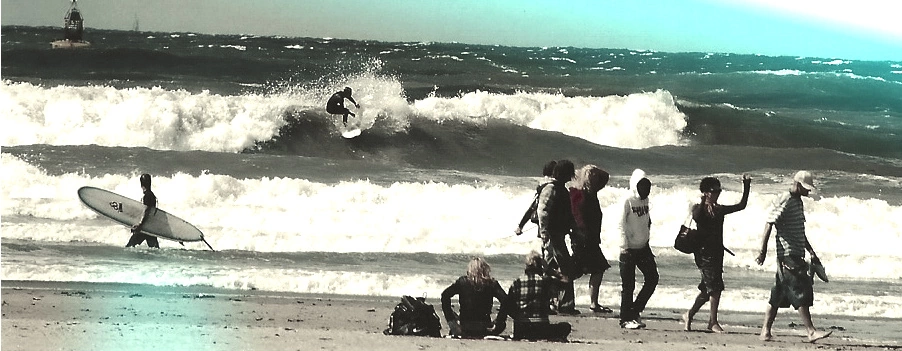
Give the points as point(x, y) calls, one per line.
point(787, 213)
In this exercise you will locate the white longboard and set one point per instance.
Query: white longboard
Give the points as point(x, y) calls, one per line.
point(128, 212)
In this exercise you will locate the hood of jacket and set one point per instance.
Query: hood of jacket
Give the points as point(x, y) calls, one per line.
point(638, 174)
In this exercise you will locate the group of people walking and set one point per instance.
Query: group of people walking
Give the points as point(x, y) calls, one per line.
point(547, 286)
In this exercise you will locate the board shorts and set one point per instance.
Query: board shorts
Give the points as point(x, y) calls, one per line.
point(792, 287)
point(711, 268)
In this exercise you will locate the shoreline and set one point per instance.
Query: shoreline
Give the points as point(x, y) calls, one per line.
point(81, 315)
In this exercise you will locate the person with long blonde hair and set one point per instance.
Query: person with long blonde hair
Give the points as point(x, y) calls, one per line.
point(476, 292)
point(586, 239)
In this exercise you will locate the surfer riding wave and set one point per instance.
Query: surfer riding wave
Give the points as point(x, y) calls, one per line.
point(336, 104)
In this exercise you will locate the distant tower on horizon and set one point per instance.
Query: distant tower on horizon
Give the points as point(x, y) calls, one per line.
point(73, 30)
point(73, 24)
point(136, 26)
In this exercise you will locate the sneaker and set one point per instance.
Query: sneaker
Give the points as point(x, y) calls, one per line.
point(640, 322)
point(631, 324)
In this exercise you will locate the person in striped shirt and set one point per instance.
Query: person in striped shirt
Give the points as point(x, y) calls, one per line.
point(792, 284)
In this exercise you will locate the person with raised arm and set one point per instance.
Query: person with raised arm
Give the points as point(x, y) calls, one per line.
point(709, 216)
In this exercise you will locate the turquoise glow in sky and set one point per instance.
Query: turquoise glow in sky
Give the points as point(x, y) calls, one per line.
point(862, 29)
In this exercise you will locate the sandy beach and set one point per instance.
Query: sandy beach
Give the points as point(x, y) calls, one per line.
point(98, 316)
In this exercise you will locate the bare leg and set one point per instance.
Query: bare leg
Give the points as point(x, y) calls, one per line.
point(594, 285)
point(697, 305)
point(713, 324)
point(769, 315)
point(813, 334)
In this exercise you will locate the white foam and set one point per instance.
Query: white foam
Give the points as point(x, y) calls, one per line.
point(150, 117)
point(634, 121)
point(854, 237)
point(179, 120)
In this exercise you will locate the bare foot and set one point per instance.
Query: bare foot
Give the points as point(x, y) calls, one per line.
point(766, 337)
point(817, 335)
point(716, 328)
point(687, 322)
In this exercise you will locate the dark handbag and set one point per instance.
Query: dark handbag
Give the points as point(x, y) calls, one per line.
point(687, 240)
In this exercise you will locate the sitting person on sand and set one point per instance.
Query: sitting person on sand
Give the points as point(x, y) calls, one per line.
point(477, 289)
point(527, 303)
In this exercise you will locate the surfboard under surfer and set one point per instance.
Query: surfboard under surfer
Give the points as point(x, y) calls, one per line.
point(149, 200)
point(336, 104)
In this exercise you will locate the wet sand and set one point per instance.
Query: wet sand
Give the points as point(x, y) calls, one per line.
point(98, 316)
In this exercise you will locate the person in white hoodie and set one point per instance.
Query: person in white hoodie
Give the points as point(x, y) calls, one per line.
point(635, 229)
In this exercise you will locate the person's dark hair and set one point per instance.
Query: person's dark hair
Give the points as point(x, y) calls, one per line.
point(145, 180)
point(548, 171)
point(348, 90)
point(708, 184)
point(564, 170)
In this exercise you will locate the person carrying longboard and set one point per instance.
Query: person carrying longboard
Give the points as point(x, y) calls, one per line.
point(149, 200)
point(336, 104)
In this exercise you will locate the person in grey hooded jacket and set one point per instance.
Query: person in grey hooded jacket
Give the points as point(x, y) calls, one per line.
point(555, 222)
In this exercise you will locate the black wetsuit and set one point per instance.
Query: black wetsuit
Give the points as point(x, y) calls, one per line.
point(149, 200)
point(336, 105)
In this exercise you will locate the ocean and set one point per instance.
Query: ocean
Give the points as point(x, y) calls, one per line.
point(234, 131)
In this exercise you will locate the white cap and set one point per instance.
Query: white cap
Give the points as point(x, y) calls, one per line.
point(806, 179)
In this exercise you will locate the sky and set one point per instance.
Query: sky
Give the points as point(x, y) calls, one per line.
point(857, 30)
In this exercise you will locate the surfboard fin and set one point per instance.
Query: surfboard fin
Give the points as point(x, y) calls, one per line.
point(208, 244)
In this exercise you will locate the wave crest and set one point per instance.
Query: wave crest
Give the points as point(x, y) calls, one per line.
point(181, 120)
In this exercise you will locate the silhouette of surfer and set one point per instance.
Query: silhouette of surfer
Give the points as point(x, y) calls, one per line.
point(336, 104)
point(149, 200)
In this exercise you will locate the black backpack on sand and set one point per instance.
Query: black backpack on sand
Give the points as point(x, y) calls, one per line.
point(413, 316)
